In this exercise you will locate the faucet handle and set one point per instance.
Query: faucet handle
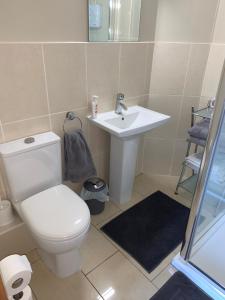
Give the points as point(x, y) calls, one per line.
point(120, 97)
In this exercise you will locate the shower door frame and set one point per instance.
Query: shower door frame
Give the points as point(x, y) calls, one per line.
point(182, 261)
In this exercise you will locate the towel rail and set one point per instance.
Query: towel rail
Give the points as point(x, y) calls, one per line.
point(70, 116)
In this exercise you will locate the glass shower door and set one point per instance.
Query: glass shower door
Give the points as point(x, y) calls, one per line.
point(208, 248)
point(202, 257)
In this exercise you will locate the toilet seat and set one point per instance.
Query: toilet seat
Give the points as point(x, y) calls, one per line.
point(56, 214)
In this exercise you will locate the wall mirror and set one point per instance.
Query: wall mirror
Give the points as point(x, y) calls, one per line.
point(114, 20)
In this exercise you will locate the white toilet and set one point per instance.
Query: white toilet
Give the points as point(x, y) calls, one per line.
point(56, 216)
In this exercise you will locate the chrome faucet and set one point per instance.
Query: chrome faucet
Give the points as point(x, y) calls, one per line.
point(119, 104)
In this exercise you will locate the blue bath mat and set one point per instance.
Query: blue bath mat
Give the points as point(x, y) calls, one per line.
point(150, 230)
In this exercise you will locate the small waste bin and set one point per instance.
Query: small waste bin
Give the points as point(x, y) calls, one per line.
point(95, 193)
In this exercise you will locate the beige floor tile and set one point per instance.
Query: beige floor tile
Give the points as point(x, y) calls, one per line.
point(34, 295)
point(156, 271)
point(151, 276)
point(136, 198)
point(186, 200)
point(109, 219)
point(177, 250)
point(109, 211)
point(118, 279)
point(33, 256)
point(46, 286)
point(95, 250)
point(166, 184)
point(144, 186)
point(163, 277)
point(161, 266)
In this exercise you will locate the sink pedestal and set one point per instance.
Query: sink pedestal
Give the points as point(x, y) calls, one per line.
point(125, 133)
point(123, 158)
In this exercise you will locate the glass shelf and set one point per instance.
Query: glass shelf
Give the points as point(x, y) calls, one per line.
point(204, 112)
point(189, 184)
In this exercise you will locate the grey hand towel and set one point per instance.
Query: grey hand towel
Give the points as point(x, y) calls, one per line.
point(79, 164)
point(200, 130)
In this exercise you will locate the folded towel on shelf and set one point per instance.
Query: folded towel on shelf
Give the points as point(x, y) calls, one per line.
point(200, 129)
point(197, 141)
point(79, 164)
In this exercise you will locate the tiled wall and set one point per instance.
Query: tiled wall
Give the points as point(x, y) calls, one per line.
point(41, 79)
point(41, 82)
point(183, 37)
point(43, 20)
point(216, 57)
point(56, 20)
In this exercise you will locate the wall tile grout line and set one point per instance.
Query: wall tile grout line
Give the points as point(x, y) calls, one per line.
point(215, 21)
point(71, 42)
point(144, 150)
point(119, 42)
point(152, 62)
point(44, 116)
point(187, 68)
point(147, 50)
point(34, 294)
point(181, 106)
point(142, 155)
point(2, 131)
point(119, 67)
point(73, 109)
point(86, 73)
point(182, 43)
point(46, 86)
point(27, 119)
point(171, 95)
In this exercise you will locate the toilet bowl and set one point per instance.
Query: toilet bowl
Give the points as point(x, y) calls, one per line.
point(56, 216)
point(65, 220)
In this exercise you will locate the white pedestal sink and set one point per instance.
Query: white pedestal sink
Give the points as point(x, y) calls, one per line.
point(125, 133)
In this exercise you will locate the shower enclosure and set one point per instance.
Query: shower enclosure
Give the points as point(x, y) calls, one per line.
point(202, 257)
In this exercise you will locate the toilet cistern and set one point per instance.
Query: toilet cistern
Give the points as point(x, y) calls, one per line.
point(119, 104)
point(56, 216)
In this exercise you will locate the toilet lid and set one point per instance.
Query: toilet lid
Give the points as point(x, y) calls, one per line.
point(56, 213)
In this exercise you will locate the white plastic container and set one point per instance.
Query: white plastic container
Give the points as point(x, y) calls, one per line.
point(6, 213)
point(94, 107)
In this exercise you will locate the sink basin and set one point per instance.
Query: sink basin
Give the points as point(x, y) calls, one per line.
point(123, 122)
point(126, 131)
point(136, 120)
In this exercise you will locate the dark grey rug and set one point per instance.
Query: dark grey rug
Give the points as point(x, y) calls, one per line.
point(150, 230)
point(179, 287)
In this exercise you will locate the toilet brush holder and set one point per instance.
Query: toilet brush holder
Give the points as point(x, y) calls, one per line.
point(6, 213)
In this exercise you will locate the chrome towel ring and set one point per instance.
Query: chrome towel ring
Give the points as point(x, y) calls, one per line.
point(70, 116)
